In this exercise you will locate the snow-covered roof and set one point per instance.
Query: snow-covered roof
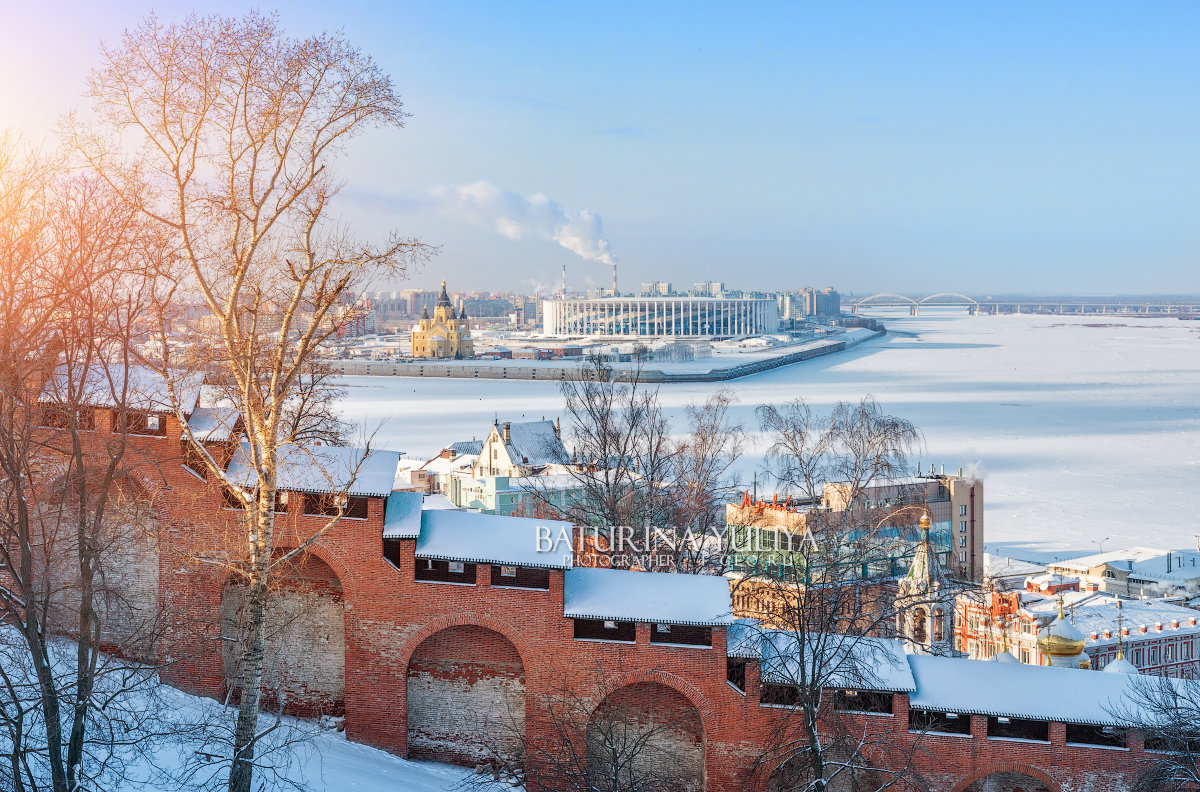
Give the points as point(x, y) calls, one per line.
point(1141, 563)
point(323, 470)
point(995, 566)
point(534, 443)
point(1017, 690)
point(743, 639)
point(140, 387)
point(402, 515)
point(554, 481)
point(646, 596)
point(213, 424)
point(494, 539)
point(855, 662)
point(466, 447)
point(1095, 612)
point(440, 465)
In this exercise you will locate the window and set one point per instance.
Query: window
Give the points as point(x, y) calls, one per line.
point(735, 672)
point(962, 510)
point(962, 541)
point(918, 632)
point(1026, 626)
point(962, 558)
point(1137, 657)
point(507, 576)
point(962, 526)
point(936, 721)
point(139, 423)
point(862, 701)
point(1024, 655)
point(432, 570)
point(939, 625)
point(1153, 655)
point(58, 416)
point(682, 634)
point(1169, 653)
point(605, 630)
point(1018, 728)
point(1081, 734)
point(779, 695)
point(353, 507)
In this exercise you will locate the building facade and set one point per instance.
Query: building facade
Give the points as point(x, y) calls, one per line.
point(446, 335)
point(639, 317)
point(1159, 637)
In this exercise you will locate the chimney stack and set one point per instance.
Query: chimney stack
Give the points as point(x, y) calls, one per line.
point(507, 435)
point(614, 279)
point(564, 279)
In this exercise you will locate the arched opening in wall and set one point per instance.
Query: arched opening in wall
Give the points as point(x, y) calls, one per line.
point(1008, 782)
point(844, 772)
point(122, 549)
point(918, 633)
point(939, 625)
point(646, 736)
point(466, 697)
point(305, 663)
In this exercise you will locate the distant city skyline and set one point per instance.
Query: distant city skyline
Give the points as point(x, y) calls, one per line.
point(872, 147)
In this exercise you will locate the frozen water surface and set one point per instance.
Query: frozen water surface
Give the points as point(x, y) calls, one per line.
point(1085, 429)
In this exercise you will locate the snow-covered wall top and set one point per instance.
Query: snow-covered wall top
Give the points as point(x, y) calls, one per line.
point(494, 539)
point(646, 596)
point(324, 470)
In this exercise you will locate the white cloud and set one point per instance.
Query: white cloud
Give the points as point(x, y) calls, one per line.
point(515, 216)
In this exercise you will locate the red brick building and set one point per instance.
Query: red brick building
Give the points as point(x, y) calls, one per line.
point(414, 623)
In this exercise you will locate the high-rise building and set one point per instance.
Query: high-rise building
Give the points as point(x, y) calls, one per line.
point(657, 288)
point(708, 288)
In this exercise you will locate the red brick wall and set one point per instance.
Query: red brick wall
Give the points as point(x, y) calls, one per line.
point(466, 696)
point(412, 643)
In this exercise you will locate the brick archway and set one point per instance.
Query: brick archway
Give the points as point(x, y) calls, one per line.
point(430, 629)
point(305, 633)
point(678, 684)
point(1008, 767)
point(464, 696)
point(646, 729)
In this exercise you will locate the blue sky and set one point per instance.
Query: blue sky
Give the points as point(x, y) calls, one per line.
point(1016, 147)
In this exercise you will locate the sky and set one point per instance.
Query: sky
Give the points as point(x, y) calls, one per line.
point(1021, 147)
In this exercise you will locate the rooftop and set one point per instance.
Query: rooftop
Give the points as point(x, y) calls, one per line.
point(454, 535)
point(323, 470)
point(661, 597)
point(1017, 690)
point(1095, 612)
point(533, 443)
point(213, 424)
point(1142, 563)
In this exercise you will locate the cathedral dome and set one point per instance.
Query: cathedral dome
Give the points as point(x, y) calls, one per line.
point(1120, 665)
point(1061, 638)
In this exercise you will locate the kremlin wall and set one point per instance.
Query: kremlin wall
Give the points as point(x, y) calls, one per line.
point(419, 624)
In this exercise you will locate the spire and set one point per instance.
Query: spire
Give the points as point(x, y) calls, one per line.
point(425, 312)
point(925, 571)
point(443, 298)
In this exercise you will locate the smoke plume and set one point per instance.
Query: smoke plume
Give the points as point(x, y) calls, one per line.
point(516, 216)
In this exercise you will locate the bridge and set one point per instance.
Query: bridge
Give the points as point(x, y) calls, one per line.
point(1182, 307)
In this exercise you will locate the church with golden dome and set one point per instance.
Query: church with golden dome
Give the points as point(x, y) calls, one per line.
point(446, 335)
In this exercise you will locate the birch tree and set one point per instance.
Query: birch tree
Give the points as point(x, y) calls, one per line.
point(226, 132)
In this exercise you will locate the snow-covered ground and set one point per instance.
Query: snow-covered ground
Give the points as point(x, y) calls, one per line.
point(1086, 429)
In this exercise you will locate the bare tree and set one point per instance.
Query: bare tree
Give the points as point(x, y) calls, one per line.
point(232, 129)
point(594, 738)
point(820, 578)
point(73, 499)
point(1167, 713)
point(621, 448)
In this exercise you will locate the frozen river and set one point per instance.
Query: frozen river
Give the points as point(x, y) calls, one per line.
point(1086, 430)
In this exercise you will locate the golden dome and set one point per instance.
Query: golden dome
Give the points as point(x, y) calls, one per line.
point(1061, 639)
point(926, 523)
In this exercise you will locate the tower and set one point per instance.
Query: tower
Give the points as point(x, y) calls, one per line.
point(924, 602)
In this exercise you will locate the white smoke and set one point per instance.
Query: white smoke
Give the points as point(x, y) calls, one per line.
point(516, 216)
